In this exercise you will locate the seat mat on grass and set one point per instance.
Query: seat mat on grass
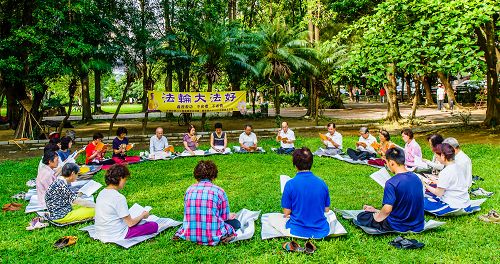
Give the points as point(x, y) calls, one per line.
point(349, 160)
point(44, 215)
point(268, 231)
point(237, 149)
point(352, 214)
point(441, 209)
point(127, 243)
point(34, 205)
point(247, 219)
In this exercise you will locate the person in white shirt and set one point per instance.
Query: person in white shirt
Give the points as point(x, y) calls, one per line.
point(286, 137)
point(248, 140)
point(364, 147)
point(112, 218)
point(452, 186)
point(440, 93)
point(461, 159)
point(333, 142)
point(157, 145)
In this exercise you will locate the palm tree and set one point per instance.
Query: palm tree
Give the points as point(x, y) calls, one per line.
point(281, 52)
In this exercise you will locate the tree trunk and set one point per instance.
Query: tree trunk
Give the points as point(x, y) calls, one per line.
point(408, 87)
point(486, 39)
point(416, 98)
point(130, 80)
point(71, 91)
point(428, 91)
point(277, 99)
point(86, 106)
point(316, 104)
point(97, 94)
point(417, 80)
point(448, 88)
point(393, 114)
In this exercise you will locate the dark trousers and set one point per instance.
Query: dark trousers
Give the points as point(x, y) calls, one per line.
point(366, 219)
point(103, 162)
point(235, 223)
point(440, 104)
point(360, 155)
point(285, 150)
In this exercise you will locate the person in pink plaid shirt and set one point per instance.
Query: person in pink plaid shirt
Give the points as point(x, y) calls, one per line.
point(207, 218)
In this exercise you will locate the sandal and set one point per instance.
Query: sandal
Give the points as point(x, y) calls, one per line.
point(65, 242)
point(310, 248)
point(31, 183)
point(403, 243)
point(19, 196)
point(227, 239)
point(292, 246)
point(36, 223)
point(491, 217)
point(12, 207)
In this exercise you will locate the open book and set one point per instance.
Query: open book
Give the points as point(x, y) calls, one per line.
point(283, 180)
point(419, 163)
point(381, 176)
point(90, 188)
point(137, 210)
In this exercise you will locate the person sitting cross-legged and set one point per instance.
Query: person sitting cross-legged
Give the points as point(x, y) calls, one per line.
point(112, 218)
point(96, 150)
point(207, 218)
point(364, 147)
point(286, 137)
point(385, 142)
point(218, 141)
point(121, 147)
point(333, 142)
point(191, 142)
point(158, 145)
point(46, 174)
point(403, 202)
point(304, 201)
point(452, 184)
point(436, 166)
point(412, 148)
point(63, 204)
point(248, 141)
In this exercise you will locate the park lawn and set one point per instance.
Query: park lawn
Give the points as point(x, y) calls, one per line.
point(252, 182)
point(111, 108)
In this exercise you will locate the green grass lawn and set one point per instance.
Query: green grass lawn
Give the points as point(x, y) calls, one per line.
point(252, 182)
point(111, 108)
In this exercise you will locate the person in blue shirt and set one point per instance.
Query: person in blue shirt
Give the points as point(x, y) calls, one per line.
point(403, 202)
point(305, 200)
point(65, 149)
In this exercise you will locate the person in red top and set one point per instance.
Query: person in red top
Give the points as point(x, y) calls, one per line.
point(382, 95)
point(94, 156)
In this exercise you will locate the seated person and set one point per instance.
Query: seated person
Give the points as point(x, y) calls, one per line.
point(46, 174)
point(403, 202)
point(52, 147)
point(120, 145)
point(305, 200)
point(95, 151)
point(248, 140)
point(63, 204)
point(190, 141)
point(461, 159)
point(364, 147)
point(385, 142)
point(218, 141)
point(112, 218)
point(412, 148)
point(333, 142)
point(452, 185)
point(65, 151)
point(158, 145)
point(286, 137)
point(436, 166)
point(207, 218)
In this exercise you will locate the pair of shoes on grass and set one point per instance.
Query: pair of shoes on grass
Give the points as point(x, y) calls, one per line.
point(404, 243)
point(12, 207)
point(293, 246)
point(491, 217)
point(36, 223)
point(480, 192)
point(65, 241)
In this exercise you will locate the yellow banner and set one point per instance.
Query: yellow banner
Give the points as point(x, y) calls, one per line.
point(196, 102)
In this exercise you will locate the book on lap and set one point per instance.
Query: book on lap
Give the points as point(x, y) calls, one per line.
point(90, 188)
point(137, 210)
point(283, 180)
point(381, 176)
